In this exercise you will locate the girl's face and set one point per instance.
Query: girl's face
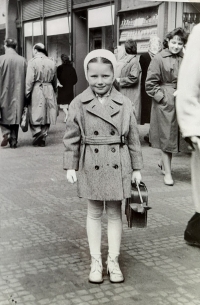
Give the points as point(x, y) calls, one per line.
point(100, 77)
point(175, 45)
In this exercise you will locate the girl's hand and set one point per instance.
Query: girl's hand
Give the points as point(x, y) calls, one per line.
point(136, 176)
point(71, 176)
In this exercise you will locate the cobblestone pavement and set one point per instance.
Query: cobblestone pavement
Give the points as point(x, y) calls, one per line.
point(43, 246)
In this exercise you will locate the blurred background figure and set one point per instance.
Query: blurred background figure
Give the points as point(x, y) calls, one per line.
point(67, 78)
point(12, 89)
point(155, 46)
point(41, 88)
point(188, 113)
point(128, 76)
point(161, 84)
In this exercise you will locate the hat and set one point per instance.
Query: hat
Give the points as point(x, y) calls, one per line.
point(100, 53)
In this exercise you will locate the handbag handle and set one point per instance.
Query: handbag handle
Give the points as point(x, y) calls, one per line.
point(138, 188)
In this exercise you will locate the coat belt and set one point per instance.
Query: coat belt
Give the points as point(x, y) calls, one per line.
point(173, 85)
point(103, 140)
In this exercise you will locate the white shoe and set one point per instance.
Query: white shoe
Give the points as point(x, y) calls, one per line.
point(113, 269)
point(95, 275)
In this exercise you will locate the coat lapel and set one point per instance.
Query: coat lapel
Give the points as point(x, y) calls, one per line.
point(105, 112)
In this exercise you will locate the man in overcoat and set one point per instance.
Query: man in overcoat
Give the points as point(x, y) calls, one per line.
point(12, 92)
point(188, 113)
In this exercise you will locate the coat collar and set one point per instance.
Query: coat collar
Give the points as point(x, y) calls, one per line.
point(10, 51)
point(167, 53)
point(107, 111)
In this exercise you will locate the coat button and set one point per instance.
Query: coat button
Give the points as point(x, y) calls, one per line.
point(115, 166)
point(96, 133)
point(96, 150)
point(112, 132)
point(113, 150)
point(96, 167)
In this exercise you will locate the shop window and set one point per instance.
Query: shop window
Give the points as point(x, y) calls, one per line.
point(33, 33)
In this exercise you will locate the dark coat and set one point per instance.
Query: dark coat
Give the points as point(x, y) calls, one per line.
point(67, 77)
point(130, 82)
point(104, 170)
point(41, 86)
point(146, 100)
point(12, 87)
point(161, 83)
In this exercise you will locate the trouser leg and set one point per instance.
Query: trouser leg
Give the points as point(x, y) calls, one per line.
point(36, 129)
point(114, 214)
point(195, 173)
point(14, 129)
point(94, 214)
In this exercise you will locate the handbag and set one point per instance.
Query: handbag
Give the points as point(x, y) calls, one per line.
point(24, 119)
point(136, 207)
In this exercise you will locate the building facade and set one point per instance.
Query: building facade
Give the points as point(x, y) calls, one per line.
point(76, 27)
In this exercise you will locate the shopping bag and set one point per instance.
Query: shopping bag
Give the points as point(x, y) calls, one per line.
point(136, 207)
point(24, 119)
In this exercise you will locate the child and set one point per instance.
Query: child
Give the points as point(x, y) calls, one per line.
point(102, 145)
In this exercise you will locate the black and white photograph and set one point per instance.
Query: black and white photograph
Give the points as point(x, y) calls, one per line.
point(99, 152)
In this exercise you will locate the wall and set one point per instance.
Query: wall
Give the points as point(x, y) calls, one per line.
point(11, 28)
point(129, 4)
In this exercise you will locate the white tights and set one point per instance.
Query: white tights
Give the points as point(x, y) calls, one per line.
point(113, 211)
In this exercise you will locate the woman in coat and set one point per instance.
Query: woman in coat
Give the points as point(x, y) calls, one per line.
point(67, 78)
point(161, 85)
point(41, 88)
point(155, 47)
point(129, 76)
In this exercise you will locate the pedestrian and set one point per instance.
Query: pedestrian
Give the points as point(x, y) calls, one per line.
point(129, 76)
point(188, 113)
point(155, 46)
point(41, 88)
point(161, 84)
point(102, 145)
point(67, 78)
point(12, 92)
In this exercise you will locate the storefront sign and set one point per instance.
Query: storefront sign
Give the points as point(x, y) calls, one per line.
point(102, 16)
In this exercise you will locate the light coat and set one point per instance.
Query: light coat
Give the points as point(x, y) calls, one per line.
point(104, 170)
point(41, 86)
point(12, 87)
point(188, 98)
point(130, 82)
point(161, 83)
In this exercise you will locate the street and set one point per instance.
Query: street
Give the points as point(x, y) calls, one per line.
point(44, 250)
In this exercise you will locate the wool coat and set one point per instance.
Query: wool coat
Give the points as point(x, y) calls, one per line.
point(145, 60)
point(161, 83)
point(41, 88)
point(104, 170)
point(12, 87)
point(188, 97)
point(130, 82)
point(67, 77)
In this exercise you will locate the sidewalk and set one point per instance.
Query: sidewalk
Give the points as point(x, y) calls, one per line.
point(43, 246)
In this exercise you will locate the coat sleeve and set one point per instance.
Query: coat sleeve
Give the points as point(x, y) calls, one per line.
point(133, 76)
point(153, 80)
point(54, 82)
point(72, 139)
point(134, 145)
point(188, 96)
point(75, 79)
point(30, 79)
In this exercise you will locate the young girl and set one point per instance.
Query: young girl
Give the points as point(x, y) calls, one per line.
point(102, 146)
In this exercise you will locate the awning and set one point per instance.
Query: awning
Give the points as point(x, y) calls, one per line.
point(141, 6)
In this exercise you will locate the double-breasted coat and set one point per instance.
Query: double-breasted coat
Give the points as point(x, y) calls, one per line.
point(41, 88)
point(12, 87)
point(161, 83)
point(130, 82)
point(104, 170)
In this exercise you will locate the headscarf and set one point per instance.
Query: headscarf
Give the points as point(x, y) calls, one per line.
point(100, 53)
point(120, 52)
point(155, 45)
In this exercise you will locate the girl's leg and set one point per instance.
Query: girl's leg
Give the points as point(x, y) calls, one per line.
point(95, 211)
point(113, 210)
point(166, 160)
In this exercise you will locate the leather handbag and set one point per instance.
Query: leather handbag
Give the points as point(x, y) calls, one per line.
point(136, 207)
point(24, 119)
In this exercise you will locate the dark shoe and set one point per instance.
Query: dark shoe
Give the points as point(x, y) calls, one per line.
point(13, 145)
point(42, 143)
point(38, 138)
point(5, 140)
point(192, 231)
point(146, 138)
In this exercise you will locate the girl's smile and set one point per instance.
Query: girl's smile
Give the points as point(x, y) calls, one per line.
point(100, 77)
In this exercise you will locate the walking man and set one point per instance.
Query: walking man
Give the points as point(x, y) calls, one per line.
point(188, 112)
point(12, 92)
